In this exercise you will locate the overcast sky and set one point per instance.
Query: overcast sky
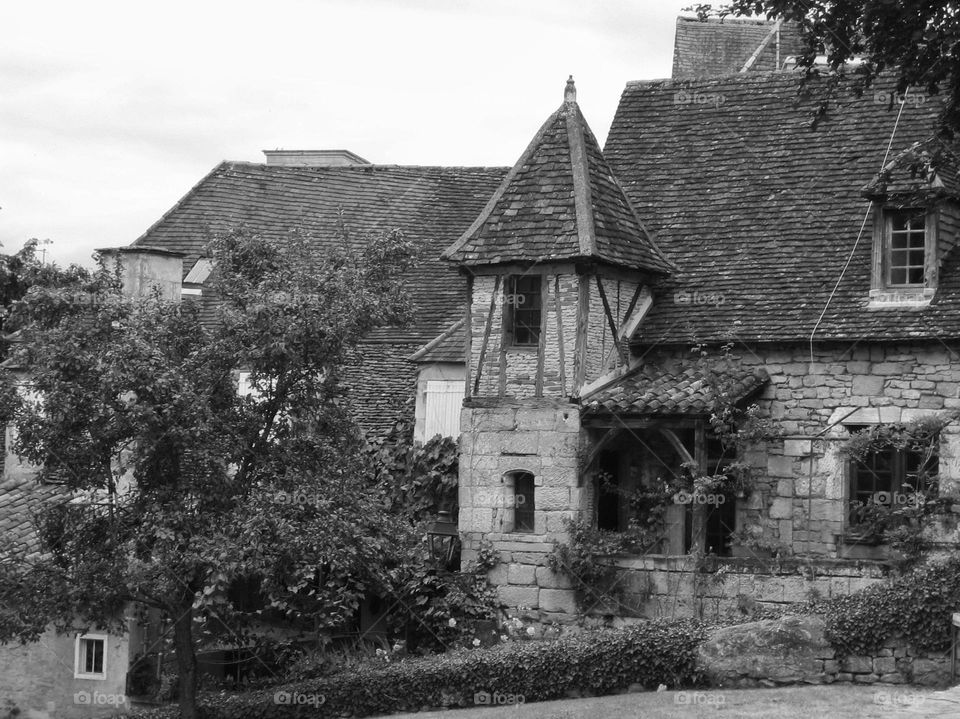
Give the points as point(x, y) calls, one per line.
point(111, 111)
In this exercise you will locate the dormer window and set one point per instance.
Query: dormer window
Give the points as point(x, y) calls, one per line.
point(522, 310)
point(905, 251)
point(904, 257)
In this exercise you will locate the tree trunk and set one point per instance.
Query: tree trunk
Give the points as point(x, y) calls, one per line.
point(186, 661)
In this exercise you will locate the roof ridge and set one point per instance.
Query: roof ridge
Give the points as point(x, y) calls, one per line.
point(580, 167)
point(363, 168)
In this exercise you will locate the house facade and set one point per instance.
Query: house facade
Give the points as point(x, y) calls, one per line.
point(63, 674)
point(807, 258)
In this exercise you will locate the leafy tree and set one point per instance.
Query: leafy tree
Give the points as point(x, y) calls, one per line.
point(182, 487)
point(916, 41)
point(23, 270)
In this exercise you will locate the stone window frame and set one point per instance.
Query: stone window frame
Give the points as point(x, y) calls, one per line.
point(79, 671)
point(527, 514)
point(882, 292)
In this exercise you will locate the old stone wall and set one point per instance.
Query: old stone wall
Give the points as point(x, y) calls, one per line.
point(801, 493)
point(539, 437)
point(38, 680)
point(793, 650)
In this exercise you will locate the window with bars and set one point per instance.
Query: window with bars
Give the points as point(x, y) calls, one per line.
point(905, 235)
point(522, 307)
point(90, 658)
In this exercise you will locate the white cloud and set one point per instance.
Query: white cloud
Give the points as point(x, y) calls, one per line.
point(110, 111)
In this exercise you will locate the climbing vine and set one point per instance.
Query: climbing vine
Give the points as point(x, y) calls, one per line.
point(899, 518)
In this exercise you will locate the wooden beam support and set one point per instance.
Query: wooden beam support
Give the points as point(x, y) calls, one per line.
point(486, 334)
point(580, 349)
point(611, 321)
point(468, 342)
point(677, 445)
point(595, 451)
point(542, 344)
point(560, 349)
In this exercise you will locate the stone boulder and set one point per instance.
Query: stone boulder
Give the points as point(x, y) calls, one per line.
point(786, 650)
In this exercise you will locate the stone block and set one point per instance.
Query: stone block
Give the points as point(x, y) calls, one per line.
point(780, 466)
point(780, 650)
point(499, 574)
point(865, 678)
point(796, 447)
point(549, 579)
point(786, 531)
point(514, 596)
point(884, 665)
point(893, 678)
point(552, 498)
point(857, 664)
point(558, 600)
point(785, 487)
point(781, 508)
point(536, 559)
point(521, 574)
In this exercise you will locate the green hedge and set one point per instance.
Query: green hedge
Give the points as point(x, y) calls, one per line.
point(592, 663)
point(916, 606)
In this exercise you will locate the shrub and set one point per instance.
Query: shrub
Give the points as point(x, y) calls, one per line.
point(916, 606)
point(592, 663)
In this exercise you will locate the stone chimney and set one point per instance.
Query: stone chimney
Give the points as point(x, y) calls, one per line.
point(313, 158)
point(143, 268)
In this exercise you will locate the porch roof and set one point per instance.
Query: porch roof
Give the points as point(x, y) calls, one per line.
point(659, 391)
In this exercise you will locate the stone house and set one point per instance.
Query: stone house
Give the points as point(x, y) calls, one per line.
point(336, 197)
point(72, 675)
point(723, 213)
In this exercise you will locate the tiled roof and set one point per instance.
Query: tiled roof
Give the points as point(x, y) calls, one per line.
point(658, 391)
point(560, 202)
point(716, 47)
point(926, 168)
point(447, 347)
point(20, 498)
point(760, 210)
point(432, 206)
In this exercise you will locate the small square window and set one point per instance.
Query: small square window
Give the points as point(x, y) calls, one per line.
point(522, 310)
point(90, 658)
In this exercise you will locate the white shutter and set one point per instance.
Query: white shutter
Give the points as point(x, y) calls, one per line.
point(443, 400)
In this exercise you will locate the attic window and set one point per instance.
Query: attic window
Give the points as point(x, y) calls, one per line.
point(904, 257)
point(905, 247)
point(522, 310)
